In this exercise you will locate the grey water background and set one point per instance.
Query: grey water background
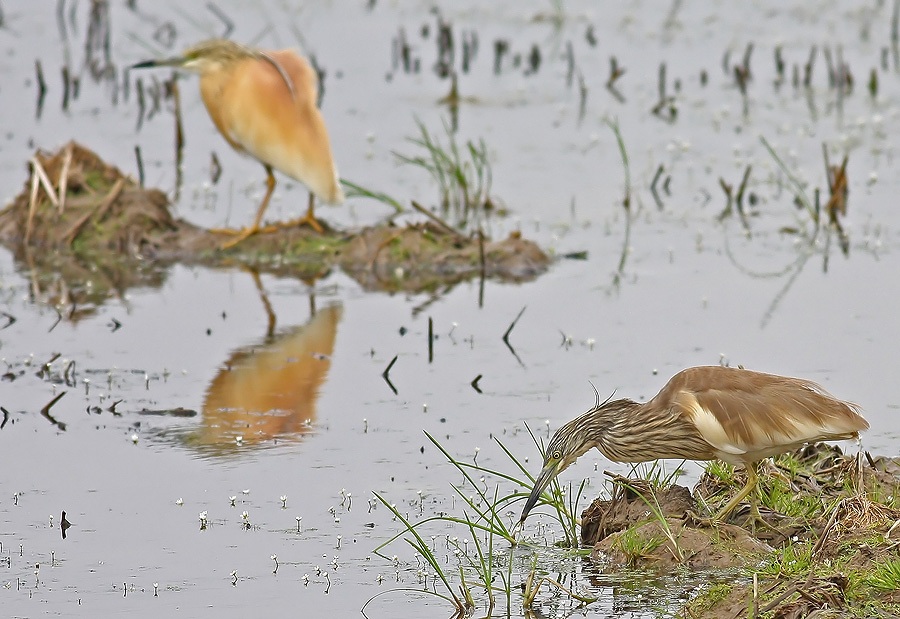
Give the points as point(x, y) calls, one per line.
point(691, 290)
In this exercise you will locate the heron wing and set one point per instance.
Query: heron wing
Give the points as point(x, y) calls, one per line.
point(750, 415)
point(266, 105)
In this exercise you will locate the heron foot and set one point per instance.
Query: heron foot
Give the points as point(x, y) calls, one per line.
point(239, 236)
point(307, 220)
point(242, 233)
point(693, 518)
point(755, 519)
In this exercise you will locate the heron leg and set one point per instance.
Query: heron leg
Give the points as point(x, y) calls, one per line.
point(742, 494)
point(243, 233)
point(755, 519)
point(309, 219)
point(751, 489)
point(270, 187)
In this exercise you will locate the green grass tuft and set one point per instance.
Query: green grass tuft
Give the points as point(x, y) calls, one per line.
point(791, 561)
point(462, 172)
point(636, 547)
point(885, 576)
point(708, 598)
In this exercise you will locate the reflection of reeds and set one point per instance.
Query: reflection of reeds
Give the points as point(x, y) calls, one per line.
point(483, 523)
point(626, 200)
point(808, 228)
point(836, 177)
point(738, 199)
point(426, 553)
point(798, 189)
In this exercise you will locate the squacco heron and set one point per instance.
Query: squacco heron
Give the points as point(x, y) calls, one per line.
point(706, 413)
point(264, 105)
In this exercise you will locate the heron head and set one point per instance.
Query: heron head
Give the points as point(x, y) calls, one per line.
point(568, 443)
point(203, 57)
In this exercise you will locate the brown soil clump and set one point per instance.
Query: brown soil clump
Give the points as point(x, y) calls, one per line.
point(626, 507)
point(626, 530)
point(678, 544)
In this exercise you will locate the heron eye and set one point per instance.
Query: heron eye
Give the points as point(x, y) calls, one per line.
point(556, 455)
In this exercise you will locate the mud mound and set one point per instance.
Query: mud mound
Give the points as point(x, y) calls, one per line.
point(628, 530)
point(629, 505)
point(74, 200)
point(77, 215)
point(834, 551)
point(666, 544)
point(386, 257)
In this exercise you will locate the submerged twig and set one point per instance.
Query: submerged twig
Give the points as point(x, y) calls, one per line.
point(626, 201)
point(140, 164)
point(838, 190)
point(614, 125)
point(45, 412)
point(531, 588)
point(653, 192)
point(665, 107)
point(10, 319)
point(430, 339)
point(387, 371)
point(737, 199)
point(32, 207)
point(512, 325)
point(615, 72)
point(42, 87)
point(808, 67)
point(179, 136)
point(508, 331)
point(459, 236)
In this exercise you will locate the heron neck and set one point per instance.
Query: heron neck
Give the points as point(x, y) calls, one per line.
point(622, 422)
point(617, 413)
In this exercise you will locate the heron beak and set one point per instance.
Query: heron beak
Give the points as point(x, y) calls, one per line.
point(162, 62)
point(550, 470)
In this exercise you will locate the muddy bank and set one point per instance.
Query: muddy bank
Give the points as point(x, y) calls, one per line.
point(829, 542)
point(79, 219)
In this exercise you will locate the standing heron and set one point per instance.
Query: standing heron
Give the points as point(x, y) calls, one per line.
point(264, 105)
point(706, 413)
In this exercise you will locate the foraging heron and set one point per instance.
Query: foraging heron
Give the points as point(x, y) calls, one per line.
point(705, 413)
point(264, 105)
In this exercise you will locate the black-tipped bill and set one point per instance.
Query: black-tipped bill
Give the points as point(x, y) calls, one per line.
point(162, 62)
point(540, 484)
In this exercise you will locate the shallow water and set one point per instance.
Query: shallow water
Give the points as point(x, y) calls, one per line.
point(692, 291)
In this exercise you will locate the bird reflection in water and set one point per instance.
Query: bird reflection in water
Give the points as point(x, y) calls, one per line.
point(269, 391)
